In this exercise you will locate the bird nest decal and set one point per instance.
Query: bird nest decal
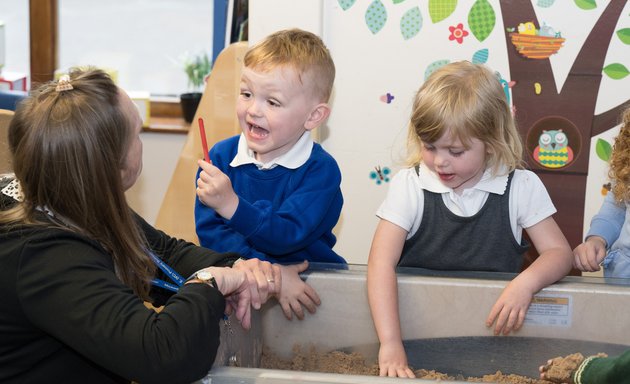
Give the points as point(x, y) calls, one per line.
point(536, 43)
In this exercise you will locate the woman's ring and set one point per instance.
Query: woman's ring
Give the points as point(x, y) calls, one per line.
point(269, 280)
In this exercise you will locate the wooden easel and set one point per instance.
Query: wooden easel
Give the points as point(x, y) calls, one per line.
point(218, 110)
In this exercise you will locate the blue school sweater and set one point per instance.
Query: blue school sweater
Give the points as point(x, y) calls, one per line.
point(283, 215)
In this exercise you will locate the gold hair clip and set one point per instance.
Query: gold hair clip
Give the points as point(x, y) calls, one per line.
point(64, 84)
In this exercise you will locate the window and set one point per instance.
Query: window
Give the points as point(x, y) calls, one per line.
point(144, 41)
point(14, 48)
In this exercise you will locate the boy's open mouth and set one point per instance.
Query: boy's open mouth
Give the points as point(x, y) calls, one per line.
point(257, 131)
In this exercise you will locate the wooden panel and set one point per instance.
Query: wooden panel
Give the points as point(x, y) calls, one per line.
point(567, 195)
point(5, 154)
point(218, 110)
point(43, 26)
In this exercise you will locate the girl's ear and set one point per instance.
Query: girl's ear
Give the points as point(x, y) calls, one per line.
point(318, 115)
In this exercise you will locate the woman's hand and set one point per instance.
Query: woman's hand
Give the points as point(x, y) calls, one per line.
point(235, 287)
point(265, 279)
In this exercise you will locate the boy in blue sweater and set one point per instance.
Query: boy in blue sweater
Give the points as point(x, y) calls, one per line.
point(271, 192)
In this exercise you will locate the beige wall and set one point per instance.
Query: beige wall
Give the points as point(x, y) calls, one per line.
point(160, 154)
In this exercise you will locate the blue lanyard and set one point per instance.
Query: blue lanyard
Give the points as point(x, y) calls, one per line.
point(170, 272)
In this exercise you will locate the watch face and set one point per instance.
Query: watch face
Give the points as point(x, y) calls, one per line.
point(204, 275)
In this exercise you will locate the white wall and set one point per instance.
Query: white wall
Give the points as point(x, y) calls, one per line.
point(363, 132)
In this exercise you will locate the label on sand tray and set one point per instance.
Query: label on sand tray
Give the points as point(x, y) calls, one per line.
point(556, 310)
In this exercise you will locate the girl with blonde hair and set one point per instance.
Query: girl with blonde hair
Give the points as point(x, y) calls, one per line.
point(462, 204)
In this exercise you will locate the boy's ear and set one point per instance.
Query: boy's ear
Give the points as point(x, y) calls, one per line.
point(318, 115)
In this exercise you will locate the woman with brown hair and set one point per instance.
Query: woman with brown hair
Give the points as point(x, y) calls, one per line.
point(77, 264)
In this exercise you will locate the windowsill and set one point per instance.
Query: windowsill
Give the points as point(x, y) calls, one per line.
point(167, 124)
point(166, 116)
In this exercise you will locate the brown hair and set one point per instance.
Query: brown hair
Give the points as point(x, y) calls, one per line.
point(68, 149)
point(619, 172)
point(302, 50)
point(468, 101)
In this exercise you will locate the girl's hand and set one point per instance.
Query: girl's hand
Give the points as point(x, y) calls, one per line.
point(392, 361)
point(589, 254)
point(508, 313)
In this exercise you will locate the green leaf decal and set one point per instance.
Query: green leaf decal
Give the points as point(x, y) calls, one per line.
point(346, 4)
point(398, 1)
point(441, 9)
point(481, 19)
point(481, 56)
point(624, 35)
point(616, 71)
point(603, 149)
point(586, 4)
point(375, 16)
point(411, 23)
point(545, 3)
point(433, 66)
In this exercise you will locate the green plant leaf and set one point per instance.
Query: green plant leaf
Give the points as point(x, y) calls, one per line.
point(616, 71)
point(441, 9)
point(346, 4)
point(197, 68)
point(376, 16)
point(586, 4)
point(624, 35)
point(481, 19)
point(411, 23)
point(603, 149)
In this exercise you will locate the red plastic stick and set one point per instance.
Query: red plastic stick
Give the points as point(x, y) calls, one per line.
point(204, 143)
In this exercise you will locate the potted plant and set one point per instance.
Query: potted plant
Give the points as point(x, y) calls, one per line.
point(197, 68)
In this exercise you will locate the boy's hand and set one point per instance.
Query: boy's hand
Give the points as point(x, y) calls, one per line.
point(588, 255)
point(214, 189)
point(295, 293)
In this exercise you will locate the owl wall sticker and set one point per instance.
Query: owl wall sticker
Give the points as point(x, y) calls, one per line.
point(553, 149)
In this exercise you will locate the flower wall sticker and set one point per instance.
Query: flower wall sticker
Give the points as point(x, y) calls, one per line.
point(457, 33)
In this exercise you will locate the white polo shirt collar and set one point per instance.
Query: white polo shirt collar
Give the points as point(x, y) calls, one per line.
point(295, 158)
point(493, 184)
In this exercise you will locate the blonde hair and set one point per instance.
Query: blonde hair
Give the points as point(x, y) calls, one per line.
point(467, 101)
point(69, 146)
point(619, 171)
point(301, 50)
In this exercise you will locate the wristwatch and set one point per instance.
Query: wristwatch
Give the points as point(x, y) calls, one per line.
point(205, 276)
